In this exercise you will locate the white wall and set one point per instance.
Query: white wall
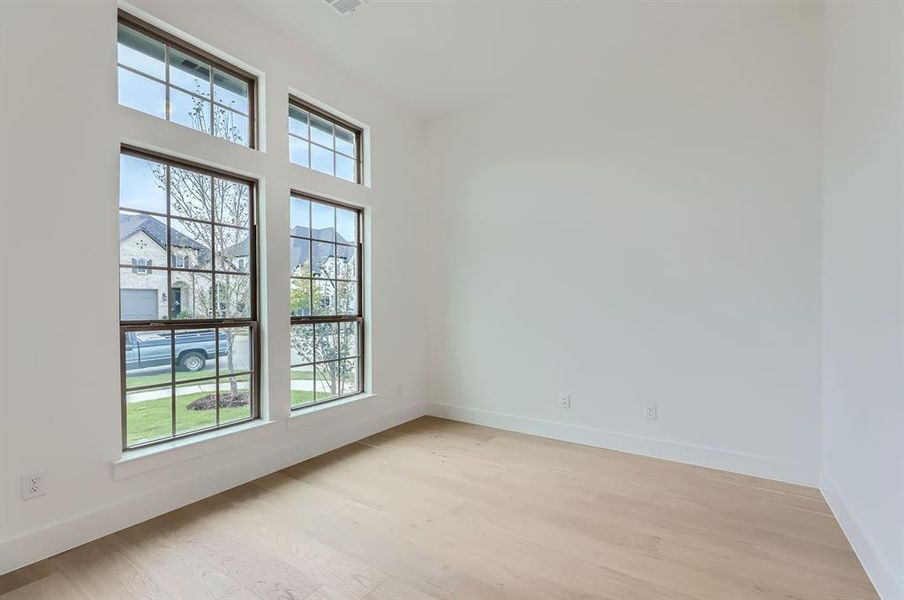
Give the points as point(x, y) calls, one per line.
point(59, 397)
point(863, 283)
point(645, 233)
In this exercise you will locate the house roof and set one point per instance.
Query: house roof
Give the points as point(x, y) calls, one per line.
point(301, 253)
point(129, 225)
point(324, 234)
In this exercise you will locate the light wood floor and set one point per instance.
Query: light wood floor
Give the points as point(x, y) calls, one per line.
point(437, 509)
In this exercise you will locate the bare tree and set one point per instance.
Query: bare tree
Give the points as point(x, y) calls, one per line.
point(198, 197)
point(326, 297)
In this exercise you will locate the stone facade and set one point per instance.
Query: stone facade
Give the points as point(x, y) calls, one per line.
point(141, 251)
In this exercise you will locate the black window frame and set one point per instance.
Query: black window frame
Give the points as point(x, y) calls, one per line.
point(171, 41)
point(311, 109)
point(358, 318)
point(252, 322)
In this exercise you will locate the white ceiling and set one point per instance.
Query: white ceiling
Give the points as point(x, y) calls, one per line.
point(439, 55)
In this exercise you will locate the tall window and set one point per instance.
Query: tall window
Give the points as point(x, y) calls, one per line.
point(323, 142)
point(164, 77)
point(188, 305)
point(325, 296)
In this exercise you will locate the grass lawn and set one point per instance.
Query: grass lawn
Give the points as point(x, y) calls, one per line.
point(164, 377)
point(149, 420)
point(302, 397)
point(152, 419)
point(152, 378)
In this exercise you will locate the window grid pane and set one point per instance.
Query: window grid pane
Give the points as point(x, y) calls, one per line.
point(325, 352)
point(188, 239)
point(323, 144)
point(185, 266)
point(173, 83)
point(163, 402)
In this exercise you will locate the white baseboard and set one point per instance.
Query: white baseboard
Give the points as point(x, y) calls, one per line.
point(63, 535)
point(715, 458)
point(877, 568)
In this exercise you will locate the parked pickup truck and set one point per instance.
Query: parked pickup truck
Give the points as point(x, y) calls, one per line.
point(193, 349)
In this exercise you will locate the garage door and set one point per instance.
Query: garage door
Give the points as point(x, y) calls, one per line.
point(138, 305)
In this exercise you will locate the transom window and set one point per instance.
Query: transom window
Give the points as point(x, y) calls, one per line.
point(323, 142)
point(188, 309)
point(167, 78)
point(327, 321)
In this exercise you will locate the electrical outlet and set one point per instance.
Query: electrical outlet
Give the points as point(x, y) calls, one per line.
point(32, 486)
point(649, 412)
point(565, 402)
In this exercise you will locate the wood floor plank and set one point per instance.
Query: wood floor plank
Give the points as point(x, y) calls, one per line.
point(285, 533)
point(396, 589)
point(105, 573)
point(436, 510)
point(37, 582)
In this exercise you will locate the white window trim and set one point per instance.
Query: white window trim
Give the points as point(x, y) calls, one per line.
point(142, 460)
point(308, 415)
point(365, 134)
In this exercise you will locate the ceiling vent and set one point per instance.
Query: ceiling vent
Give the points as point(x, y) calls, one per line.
point(345, 7)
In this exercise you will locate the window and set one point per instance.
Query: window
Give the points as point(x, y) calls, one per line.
point(325, 299)
point(186, 368)
point(164, 77)
point(324, 143)
point(140, 265)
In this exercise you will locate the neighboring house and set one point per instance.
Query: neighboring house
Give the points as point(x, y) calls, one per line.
point(300, 254)
point(145, 292)
point(333, 259)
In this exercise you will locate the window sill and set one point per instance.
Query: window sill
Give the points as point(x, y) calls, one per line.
point(312, 414)
point(135, 462)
